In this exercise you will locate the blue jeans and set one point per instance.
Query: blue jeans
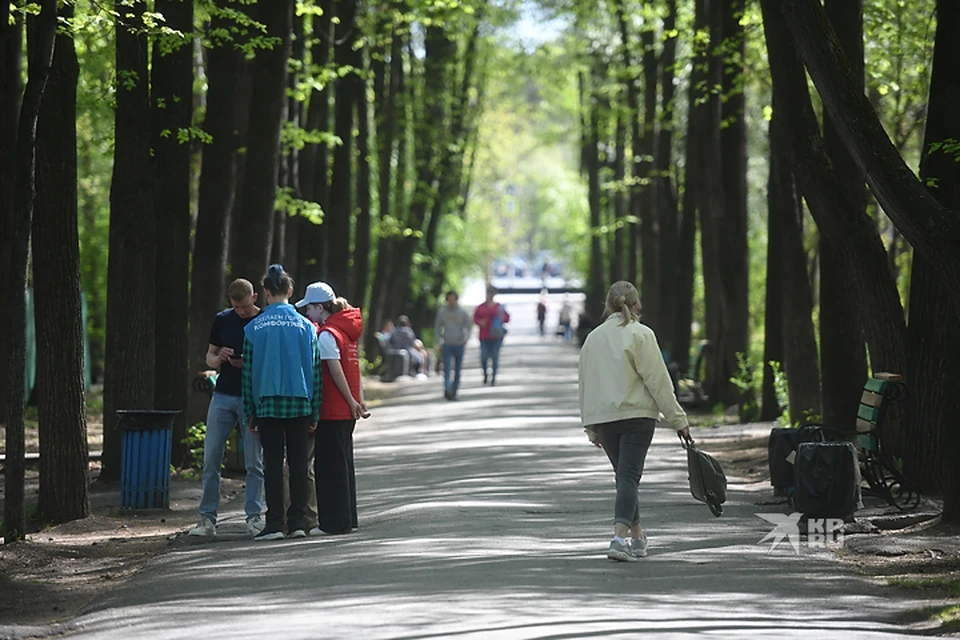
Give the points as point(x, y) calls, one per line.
point(224, 414)
point(452, 364)
point(490, 350)
point(626, 443)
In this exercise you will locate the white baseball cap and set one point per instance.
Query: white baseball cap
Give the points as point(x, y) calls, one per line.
point(316, 293)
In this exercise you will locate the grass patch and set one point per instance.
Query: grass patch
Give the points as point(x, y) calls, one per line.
point(946, 584)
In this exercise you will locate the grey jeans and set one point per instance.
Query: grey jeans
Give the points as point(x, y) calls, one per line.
point(626, 443)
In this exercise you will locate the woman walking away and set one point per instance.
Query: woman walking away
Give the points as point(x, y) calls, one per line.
point(491, 317)
point(624, 386)
point(281, 398)
point(340, 328)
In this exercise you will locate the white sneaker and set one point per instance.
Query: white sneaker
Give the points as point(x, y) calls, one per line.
point(298, 533)
point(317, 531)
point(639, 545)
point(269, 535)
point(255, 525)
point(206, 528)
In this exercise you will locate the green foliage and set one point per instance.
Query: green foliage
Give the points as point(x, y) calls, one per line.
point(782, 391)
point(748, 379)
point(196, 435)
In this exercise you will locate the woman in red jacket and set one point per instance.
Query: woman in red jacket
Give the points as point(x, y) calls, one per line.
point(340, 328)
point(491, 317)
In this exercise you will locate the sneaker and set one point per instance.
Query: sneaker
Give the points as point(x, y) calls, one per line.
point(448, 395)
point(206, 528)
point(621, 552)
point(270, 535)
point(255, 525)
point(639, 546)
point(298, 533)
point(317, 531)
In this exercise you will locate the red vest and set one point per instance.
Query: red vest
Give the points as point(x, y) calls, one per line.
point(334, 406)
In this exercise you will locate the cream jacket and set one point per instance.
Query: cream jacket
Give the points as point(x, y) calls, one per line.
point(623, 375)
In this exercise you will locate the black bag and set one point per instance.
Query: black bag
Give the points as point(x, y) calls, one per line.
point(826, 480)
point(708, 483)
point(782, 449)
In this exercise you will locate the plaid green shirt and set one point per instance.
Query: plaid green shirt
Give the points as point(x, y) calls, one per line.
point(280, 406)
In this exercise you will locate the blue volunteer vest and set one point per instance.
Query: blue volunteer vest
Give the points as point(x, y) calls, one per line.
point(282, 342)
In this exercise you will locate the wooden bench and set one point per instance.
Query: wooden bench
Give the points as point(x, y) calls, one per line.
point(881, 473)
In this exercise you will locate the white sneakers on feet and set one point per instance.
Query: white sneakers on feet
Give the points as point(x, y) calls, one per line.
point(298, 533)
point(639, 545)
point(206, 528)
point(255, 525)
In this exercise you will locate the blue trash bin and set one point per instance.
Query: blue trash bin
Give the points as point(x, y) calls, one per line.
point(145, 462)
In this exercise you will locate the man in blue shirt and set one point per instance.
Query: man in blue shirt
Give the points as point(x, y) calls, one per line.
point(225, 352)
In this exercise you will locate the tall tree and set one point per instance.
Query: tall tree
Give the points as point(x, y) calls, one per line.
point(876, 301)
point(11, 92)
point(254, 213)
point(649, 228)
point(315, 158)
point(171, 76)
point(41, 32)
point(668, 212)
point(932, 229)
point(361, 257)
point(842, 353)
point(779, 188)
point(225, 72)
point(934, 334)
point(131, 272)
point(591, 156)
point(64, 457)
point(338, 218)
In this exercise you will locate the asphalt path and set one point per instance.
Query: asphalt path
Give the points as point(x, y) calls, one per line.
point(489, 518)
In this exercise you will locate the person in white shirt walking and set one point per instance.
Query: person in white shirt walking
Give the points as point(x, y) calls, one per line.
point(624, 387)
point(451, 332)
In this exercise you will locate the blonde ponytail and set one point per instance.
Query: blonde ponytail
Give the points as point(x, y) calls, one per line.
point(622, 298)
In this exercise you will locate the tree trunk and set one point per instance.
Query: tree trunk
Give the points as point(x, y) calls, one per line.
point(361, 255)
point(686, 247)
point(429, 129)
point(64, 457)
point(172, 102)
point(255, 211)
point(734, 253)
point(11, 91)
point(617, 256)
point(721, 363)
point(649, 223)
point(218, 179)
point(129, 373)
point(932, 229)
point(773, 339)
point(315, 162)
point(668, 212)
point(386, 93)
point(842, 354)
point(595, 286)
point(635, 194)
point(799, 338)
point(934, 336)
point(338, 218)
point(876, 300)
point(41, 32)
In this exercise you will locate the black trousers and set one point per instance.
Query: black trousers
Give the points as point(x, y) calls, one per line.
point(277, 434)
point(336, 476)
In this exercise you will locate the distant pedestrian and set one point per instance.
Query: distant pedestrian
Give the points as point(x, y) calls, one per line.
point(341, 326)
point(225, 352)
point(565, 321)
point(451, 332)
point(542, 312)
point(282, 389)
point(491, 317)
point(624, 387)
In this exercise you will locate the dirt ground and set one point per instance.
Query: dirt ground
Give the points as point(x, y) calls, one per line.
point(59, 571)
